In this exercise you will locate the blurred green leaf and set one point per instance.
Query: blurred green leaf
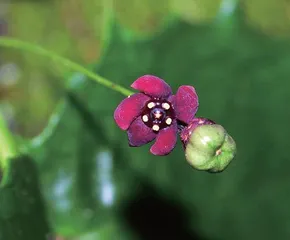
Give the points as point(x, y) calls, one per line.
point(22, 212)
point(35, 92)
point(194, 11)
point(242, 80)
point(143, 17)
point(111, 230)
point(271, 17)
point(28, 21)
point(86, 23)
point(82, 180)
point(38, 86)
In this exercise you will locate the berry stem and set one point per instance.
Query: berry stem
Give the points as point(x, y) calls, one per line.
point(25, 46)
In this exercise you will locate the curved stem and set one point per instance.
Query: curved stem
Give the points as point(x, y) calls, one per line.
point(21, 45)
point(7, 145)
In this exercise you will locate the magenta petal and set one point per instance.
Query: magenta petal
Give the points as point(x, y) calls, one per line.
point(139, 134)
point(129, 109)
point(165, 141)
point(171, 99)
point(153, 86)
point(185, 103)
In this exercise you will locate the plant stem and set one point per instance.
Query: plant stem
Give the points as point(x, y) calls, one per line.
point(25, 46)
point(7, 145)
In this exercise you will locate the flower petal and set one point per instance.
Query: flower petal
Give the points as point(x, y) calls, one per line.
point(153, 86)
point(129, 109)
point(139, 134)
point(185, 103)
point(171, 99)
point(165, 141)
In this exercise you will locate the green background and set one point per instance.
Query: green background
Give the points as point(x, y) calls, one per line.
point(92, 184)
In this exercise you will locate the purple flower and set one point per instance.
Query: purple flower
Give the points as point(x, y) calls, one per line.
point(156, 113)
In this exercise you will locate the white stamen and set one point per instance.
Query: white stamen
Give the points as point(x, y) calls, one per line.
point(151, 105)
point(168, 121)
point(155, 127)
point(166, 106)
point(145, 118)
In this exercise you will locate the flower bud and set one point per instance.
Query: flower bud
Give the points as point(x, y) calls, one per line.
point(210, 148)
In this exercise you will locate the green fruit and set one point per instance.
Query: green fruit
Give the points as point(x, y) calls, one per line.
point(210, 148)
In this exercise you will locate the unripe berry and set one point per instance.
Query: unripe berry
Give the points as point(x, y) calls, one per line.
point(210, 148)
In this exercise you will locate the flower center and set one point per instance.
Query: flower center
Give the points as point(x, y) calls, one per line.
point(158, 114)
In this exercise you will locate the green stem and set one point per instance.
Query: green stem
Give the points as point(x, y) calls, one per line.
point(21, 45)
point(7, 145)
